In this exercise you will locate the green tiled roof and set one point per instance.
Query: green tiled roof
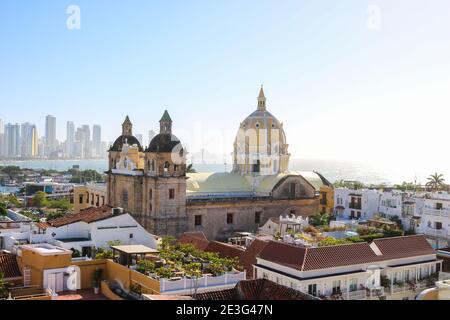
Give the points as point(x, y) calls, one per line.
point(165, 117)
point(225, 182)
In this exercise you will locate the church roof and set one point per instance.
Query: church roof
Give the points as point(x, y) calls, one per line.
point(120, 141)
point(165, 117)
point(222, 183)
point(164, 142)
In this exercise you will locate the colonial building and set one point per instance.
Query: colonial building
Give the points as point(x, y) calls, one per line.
point(153, 185)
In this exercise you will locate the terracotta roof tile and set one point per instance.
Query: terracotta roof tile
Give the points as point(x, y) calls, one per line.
point(306, 259)
point(406, 246)
point(9, 266)
point(256, 289)
point(198, 239)
point(225, 250)
point(248, 259)
point(88, 215)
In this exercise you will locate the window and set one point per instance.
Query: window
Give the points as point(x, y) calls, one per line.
point(265, 276)
point(258, 217)
point(229, 218)
point(198, 220)
point(406, 275)
point(166, 166)
point(336, 286)
point(312, 289)
point(438, 225)
point(171, 194)
point(125, 196)
point(150, 194)
point(131, 236)
point(81, 199)
point(438, 206)
point(292, 190)
point(353, 284)
point(150, 207)
point(175, 167)
point(87, 197)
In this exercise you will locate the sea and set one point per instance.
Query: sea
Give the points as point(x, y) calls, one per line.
point(387, 173)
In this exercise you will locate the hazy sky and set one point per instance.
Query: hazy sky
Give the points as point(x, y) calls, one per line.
point(345, 87)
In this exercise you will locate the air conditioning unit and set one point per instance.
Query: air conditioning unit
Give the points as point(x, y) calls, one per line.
point(117, 211)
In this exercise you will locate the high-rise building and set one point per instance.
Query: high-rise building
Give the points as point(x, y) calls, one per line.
point(96, 140)
point(2, 138)
point(29, 140)
point(140, 138)
point(86, 141)
point(50, 135)
point(70, 139)
point(151, 135)
point(12, 140)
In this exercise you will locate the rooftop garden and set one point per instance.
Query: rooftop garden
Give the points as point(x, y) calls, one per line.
point(180, 260)
point(317, 233)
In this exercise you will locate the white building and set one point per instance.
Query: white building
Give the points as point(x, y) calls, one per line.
point(390, 268)
point(91, 228)
point(355, 204)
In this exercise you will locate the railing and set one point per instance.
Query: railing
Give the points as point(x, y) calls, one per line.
point(445, 213)
point(356, 295)
point(375, 292)
point(205, 281)
point(436, 232)
point(356, 206)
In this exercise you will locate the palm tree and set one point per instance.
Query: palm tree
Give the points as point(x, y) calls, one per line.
point(435, 181)
point(190, 168)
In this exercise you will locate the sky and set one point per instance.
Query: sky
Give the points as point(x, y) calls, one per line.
point(350, 80)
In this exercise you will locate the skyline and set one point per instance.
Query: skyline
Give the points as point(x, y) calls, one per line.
point(369, 87)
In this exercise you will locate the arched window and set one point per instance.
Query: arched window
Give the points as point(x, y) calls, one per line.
point(175, 167)
point(150, 207)
point(166, 166)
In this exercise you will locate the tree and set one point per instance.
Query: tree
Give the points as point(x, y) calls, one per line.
point(320, 219)
point(435, 181)
point(190, 168)
point(3, 210)
point(3, 286)
point(39, 200)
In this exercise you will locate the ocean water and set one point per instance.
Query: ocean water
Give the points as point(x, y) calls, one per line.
point(388, 173)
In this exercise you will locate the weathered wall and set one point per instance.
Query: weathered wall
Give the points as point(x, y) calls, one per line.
point(214, 214)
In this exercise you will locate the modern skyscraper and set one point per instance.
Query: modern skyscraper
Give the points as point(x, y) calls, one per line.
point(2, 139)
point(70, 139)
point(151, 135)
point(29, 140)
point(140, 138)
point(96, 140)
point(86, 141)
point(12, 140)
point(50, 135)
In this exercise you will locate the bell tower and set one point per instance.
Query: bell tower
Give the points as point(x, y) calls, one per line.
point(165, 183)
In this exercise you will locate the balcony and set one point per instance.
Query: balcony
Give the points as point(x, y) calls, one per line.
point(442, 233)
point(356, 206)
point(444, 213)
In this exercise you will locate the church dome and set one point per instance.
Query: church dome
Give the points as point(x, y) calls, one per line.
point(126, 137)
point(120, 141)
point(165, 142)
point(260, 145)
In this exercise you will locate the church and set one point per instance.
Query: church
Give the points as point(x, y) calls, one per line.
point(154, 186)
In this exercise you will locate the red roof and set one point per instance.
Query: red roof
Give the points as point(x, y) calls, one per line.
point(198, 239)
point(256, 289)
point(306, 259)
point(9, 266)
point(225, 250)
point(248, 259)
point(88, 215)
point(407, 246)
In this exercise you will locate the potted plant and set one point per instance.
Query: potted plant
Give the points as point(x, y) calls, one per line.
point(97, 280)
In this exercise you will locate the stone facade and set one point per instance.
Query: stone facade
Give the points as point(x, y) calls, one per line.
point(151, 184)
